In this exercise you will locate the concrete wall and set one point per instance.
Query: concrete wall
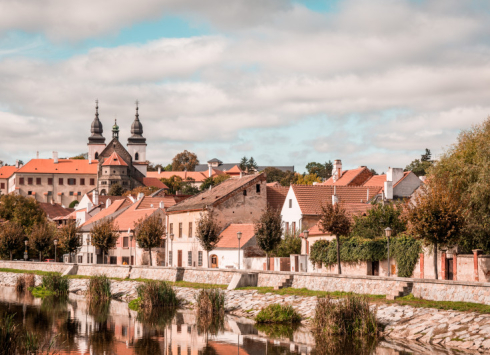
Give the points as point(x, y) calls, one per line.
point(254, 263)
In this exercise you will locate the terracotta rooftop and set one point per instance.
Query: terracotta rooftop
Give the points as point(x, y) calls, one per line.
point(376, 180)
point(229, 236)
point(54, 210)
point(213, 196)
point(153, 182)
point(139, 209)
point(103, 199)
point(348, 177)
point(147, 201)
point(116, 206)
point(64, 166)
point(276, 196)
point(311, 197)
point(197, 176)
point(71, 215)
point(114, 160)
point(7, 171)
point(234, 171)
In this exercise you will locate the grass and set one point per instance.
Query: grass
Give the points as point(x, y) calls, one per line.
point(444, 305)
point(99, 288)
point(307, 293)
point(156, 294)
point(52, 284)
point(278, 313)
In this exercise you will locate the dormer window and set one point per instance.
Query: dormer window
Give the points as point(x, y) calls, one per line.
point(136, 156)
point(96, 155)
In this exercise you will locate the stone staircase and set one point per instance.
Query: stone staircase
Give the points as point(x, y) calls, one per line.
point(286, 281)
point(402, 289)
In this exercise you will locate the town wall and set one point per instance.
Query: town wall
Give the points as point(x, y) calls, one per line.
point(209, 276)
point(155, 273)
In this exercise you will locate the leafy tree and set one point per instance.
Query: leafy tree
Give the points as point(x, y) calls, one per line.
point(11, 238)
point(149, 233)
point(435, 216)
point(147, 190)
point(208, 232)
point(116, 190)
point(291, 244)
point(41, 237)
point(73, 204)
point(104, 235)
point(380, 216)
point(185, 161)
point(373, 172)
point(188, 188)
point(268, 231)
point(420, 167)
point(24, 211)
point(213, 181)
point(168, 167)
point(154, 167)
point(252, 164)
point(289, 178)
point(308, 179)
point(322, 170)
point(244, 163)
point(69, 238)
point(334, 220)
point(274, 174)
point(81, 156)
point(174, 184)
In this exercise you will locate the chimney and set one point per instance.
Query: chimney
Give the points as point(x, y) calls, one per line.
point(95, 198)
point(162, 205)
point(108, 202)
point(37, 154)
point(55, 157)
point(337, 169)
point(394, 175)
point(388, 189)
point(159, 170)
point(17, 164)
point(140, 196)
point(89, 206)
point(334, 196)
point(241, 174)
point(210, 171)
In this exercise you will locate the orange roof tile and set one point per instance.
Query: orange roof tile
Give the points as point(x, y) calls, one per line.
point(103, 199)
point(234, 171)
point(273, 184)
point(114, 160)
point(54, 210)
point(347, 177)
point(276, 196)
point(311, 197)
point(7, 171)
point(376, 180)
point(64, 166)
point(229, 236)
point(139, 209)
point(153, 182)
point(115, 206)
point(197, 176)
point(147, 201)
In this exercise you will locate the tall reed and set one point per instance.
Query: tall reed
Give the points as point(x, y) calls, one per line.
point(156, 294)
point(99, 288)
point(56, 283)
point(24, 282)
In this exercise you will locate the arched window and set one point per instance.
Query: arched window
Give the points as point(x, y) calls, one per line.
point(96, 155)
point(136, 156)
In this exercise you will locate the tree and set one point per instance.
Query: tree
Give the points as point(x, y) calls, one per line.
point(252, 164)
point(104, 235)
point(69, 238)
point(243, 163)
point(81, 156)
point(308, 179)
point(146, 190)
point(154, 167)
point(274, 174)
point(291, 244)
point(334, 220)
point(210, 181)
point(185, 161)
point(73, 204)
point(22, 210)
point(435, 216)
point(116, 190)
point(41, 237)
point(289, 178)
point(421, 167)
point(268, 231)
point(380, 216)
point(149, 233)
point(208, 232)
point(174, 184)
point(11, 238)
point(373, 172)
point(322, 170)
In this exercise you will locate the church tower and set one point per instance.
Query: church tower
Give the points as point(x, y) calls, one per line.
point(137, 144)
point(96, 142)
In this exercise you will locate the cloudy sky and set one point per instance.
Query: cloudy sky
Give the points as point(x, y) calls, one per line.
point(371, 82)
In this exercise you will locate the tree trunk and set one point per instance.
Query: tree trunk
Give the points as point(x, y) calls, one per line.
point(103, 257)
point(151, 263)
point(338, 254)
point(10, 255)
point(267, 261)
point(209, 264)
point(40, 256)
point(435, 260)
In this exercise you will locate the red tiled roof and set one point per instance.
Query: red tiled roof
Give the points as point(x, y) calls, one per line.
point(115, 206)
point(347, 177)
point(103, 199)
point(154, 182)
point(273, 184)
point(114, 160)
point(234, 171)
point(54, 210)
point(229, 235)
point(64, 166)
point(197, 176)
point(276, 196)
point(147, 201)
point(139, 209)
point(311, 197)
point(376, 180)
point(7, 171)
point(72, 215)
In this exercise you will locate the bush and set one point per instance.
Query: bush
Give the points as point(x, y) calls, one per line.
point(55, 283)
point(210, 310)
point(156, 294)
point(348, 316)
point(99, 288)
point(278, 313)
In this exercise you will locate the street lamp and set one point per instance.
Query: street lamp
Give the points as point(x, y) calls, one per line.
point(239, 236)
point(26, 256)
point(388, 235)
point(305, 235)
point(55, 254)
point(172, 247)
point(130, 244)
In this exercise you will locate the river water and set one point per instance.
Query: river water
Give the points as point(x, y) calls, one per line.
point(115, 329)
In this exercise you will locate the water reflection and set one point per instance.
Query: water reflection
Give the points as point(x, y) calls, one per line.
point(111, 328)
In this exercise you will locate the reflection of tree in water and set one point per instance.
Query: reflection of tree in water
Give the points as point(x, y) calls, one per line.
point(155, 321)
point(278, 331)
point(147, 346)
point(333, 345)
point(102, 339)
point(207, 350)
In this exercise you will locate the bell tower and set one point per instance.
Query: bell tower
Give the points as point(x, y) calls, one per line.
point(96, 142)
point(137, 144)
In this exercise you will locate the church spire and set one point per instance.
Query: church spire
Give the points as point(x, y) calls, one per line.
point(137, 129)
point(96, 129)
point(115, 130)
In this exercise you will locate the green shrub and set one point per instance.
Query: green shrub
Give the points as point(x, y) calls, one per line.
point(99, 288)
point(55, 283)
point(156, 294)
point(347, 316)
point(9, 334)
point(278, 313)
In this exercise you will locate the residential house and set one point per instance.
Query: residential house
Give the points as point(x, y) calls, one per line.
point(276, 195)
point(6, 180)
point(236, 200)
point(396, 183)
point(54, 211)
point(218, 164)
point(352, 177)
point(230, 252)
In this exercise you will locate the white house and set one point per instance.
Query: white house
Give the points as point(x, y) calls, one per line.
point(229, 249)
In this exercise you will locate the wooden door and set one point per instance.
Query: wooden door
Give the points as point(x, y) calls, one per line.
point(375, 268)
point(179, 258)
point(296, 263)
point(449, 269)
point(214, 261)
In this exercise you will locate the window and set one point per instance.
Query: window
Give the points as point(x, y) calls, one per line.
point(171, 228)
point(244, 192)
point(80, 259)
point(180, 230)
point(91, 258)
point(113, 260)
point(189, 258)
point(71, 193)
point(82, 181)
point(293, 227)
point(38, 181)
point(50, 193)
point(199, 258)
point(2, 185)
point(257, 188)
point(290, 203)
point(124, 330)
point(29, 193)
point(72, 181)
point(92, 181)
point(190, 229)
point(29, 181)
point(21, 181)
point(60, 181)
point(125, 260)
point(136, 156)
point(50, 181)
point(170, 258)
point(189, 330)
point(125, 242)
point(287, 227)
point(79, 193)
point(96, 155)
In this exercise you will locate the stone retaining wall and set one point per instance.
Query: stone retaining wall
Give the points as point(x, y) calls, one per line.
point(30, 265)
point(118, 271)
point(155, 273)
point(455, 291)
point(209, 276)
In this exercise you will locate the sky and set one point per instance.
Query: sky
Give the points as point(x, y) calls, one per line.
point(370, 82)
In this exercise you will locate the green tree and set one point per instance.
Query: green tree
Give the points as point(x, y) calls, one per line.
point(81, 156)
point(11, 238)
point(268, 231)
point(168, 167)
point(380, 216)
point(188, 187)
point(73, 204)
point(104, 235)
point(24, 211)
point(174, 184)
point(208, 232)
point(252, 164)
point(308, 179)
point(41, 237)
point(213, 181)
point(334, 220)
point(185, 161)
point(154, 167)
point(322, 170)
point(274, 174)
point(116, 190)
point(243, 163)
point(420, 167)
point(149, 233)
point(69, 238)
point(289, 178)
point(435, 216)
point(291, 244)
